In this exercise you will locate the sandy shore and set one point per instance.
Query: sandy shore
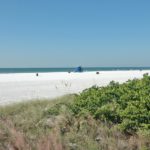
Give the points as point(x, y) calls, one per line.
point(26, 86)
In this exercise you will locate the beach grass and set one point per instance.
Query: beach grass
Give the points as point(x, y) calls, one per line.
point(50, 125)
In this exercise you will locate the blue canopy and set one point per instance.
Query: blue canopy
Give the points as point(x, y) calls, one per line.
point(78, 69)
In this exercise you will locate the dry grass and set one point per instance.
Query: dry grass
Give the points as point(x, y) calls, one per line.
point(37, 126)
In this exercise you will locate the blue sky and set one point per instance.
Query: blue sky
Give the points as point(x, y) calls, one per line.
point(65, 33)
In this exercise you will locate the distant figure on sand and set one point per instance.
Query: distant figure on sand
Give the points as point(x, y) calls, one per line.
point(37, 74)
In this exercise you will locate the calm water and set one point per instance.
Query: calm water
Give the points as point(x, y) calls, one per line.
point(33, 70)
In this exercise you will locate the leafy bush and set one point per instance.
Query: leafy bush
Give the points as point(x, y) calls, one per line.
point(127, 105)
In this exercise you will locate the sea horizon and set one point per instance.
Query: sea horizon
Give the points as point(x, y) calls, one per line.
point(65, 69)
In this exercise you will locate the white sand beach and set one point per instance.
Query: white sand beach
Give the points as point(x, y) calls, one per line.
point(27, 86)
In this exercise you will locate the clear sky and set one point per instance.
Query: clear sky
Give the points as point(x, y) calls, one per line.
point(65, 33)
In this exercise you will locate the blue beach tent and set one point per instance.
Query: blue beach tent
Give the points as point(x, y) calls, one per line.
point(78, 69)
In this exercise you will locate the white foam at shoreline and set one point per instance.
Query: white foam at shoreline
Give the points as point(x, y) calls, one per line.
point(19, 87)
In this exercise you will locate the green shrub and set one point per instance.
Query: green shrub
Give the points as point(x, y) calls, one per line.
point(127, 105)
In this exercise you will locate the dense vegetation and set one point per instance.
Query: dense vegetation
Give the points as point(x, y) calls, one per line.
point(115, 117)
point(127, 105)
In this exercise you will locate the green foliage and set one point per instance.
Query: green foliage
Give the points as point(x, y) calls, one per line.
point(127, 105)
point(48, 124)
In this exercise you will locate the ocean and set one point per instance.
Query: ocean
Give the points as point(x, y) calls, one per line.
point(40, 70)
